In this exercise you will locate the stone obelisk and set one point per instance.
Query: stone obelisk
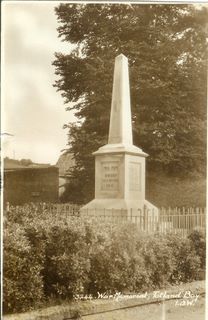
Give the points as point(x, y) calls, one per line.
point(119, 165)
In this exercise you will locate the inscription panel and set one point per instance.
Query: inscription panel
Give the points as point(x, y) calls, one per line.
point(110, 176)
point(134, 176)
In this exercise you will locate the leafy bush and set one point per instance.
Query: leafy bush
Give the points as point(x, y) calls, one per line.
point(115, 262)
point(67, 259)
point(22, 271)
point(48, 256)
point(187, 262)
point(198, 242)
point(159, 259)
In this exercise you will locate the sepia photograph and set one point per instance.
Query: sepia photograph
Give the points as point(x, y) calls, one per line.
point(103, 160)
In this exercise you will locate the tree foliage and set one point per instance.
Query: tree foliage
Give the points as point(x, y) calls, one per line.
point(166, 48)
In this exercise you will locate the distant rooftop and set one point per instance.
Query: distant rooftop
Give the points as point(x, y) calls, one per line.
point(65, 163)
point(12, 164)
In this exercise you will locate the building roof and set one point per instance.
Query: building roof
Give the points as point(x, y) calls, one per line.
point(65, 163)
point(13, 165)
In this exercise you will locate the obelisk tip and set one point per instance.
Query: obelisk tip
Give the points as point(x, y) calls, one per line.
point(121, 56)
point(120, 130)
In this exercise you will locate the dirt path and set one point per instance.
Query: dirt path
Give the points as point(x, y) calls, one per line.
point(167, 311)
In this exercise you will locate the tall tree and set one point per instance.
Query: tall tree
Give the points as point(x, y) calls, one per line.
point(166, 48)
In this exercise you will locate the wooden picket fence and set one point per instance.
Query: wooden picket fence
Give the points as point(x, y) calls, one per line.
point(177, 220)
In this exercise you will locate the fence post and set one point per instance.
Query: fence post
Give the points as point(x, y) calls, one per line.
point(145, 220)
point(131, 215)
point(179, 219)
point(153, 221)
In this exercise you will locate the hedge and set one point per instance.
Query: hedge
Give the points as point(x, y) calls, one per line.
point(23, 284)
point(47, 258)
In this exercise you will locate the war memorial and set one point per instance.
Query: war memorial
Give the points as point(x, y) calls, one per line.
point(120, 165)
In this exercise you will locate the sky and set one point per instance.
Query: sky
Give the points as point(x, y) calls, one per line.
point(32, 111)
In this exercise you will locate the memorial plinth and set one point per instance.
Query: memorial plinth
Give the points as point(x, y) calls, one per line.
point(119, 165)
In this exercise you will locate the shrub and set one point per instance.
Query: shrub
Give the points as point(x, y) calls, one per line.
point(67, 260)
point(22, 280)
point(187, 262)
point(48, 256)
point(198, 243)
point(159, 259)
point(115, 263)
